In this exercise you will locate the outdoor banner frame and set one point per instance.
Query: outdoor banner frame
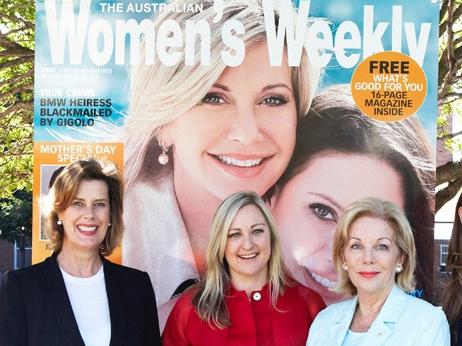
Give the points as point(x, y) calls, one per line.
point(99, 92)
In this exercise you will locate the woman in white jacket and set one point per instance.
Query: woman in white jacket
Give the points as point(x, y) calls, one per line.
point(374, 253)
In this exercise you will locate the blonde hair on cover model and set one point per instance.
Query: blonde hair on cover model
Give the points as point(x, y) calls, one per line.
point(210, 300)
point(160, 94)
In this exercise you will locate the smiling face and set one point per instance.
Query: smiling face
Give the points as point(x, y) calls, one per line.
point(248, 248)
point(310, 204)
point(85, 221)
point(372, 255)
point(241, 136)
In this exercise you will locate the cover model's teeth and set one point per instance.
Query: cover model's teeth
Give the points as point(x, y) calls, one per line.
point(240, 163)
point(322, 280)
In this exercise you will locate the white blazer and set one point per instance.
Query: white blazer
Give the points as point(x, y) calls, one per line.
point(403, 320)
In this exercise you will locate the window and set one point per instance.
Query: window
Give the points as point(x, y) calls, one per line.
point(443, 256)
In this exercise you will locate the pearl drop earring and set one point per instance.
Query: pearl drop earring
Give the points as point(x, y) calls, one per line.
point(163, 157)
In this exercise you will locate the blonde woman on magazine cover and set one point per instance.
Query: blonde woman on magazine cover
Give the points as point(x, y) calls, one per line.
point(374, 254)
point(340, 156)
point(196, 134)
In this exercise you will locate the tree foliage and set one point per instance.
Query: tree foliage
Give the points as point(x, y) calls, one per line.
point(16, 218)
point(449, 96)
point(17, 45)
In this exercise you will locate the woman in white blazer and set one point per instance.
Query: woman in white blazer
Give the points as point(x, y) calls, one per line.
point(374, 254)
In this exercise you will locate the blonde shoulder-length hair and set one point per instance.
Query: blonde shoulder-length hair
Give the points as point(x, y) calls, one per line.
point(160, 94)
point(391, 214)
point(210, 299)
point(64, 189)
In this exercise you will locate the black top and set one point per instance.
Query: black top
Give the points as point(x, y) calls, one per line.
point(35, 308)
point(459, 332)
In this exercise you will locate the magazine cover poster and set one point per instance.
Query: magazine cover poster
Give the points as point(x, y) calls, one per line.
point(201, 99)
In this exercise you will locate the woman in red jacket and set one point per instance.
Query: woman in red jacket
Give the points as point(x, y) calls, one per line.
point(246, 298)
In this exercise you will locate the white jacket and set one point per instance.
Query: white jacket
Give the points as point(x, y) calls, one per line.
point(403, 320)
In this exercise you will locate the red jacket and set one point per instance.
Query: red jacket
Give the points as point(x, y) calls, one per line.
point(253, 322)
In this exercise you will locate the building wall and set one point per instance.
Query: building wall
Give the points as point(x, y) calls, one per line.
point(440, 278)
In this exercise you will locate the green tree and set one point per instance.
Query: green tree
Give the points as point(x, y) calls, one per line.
point(16, 217)
point(449, 96)
point(16, 221)
point(17, 44)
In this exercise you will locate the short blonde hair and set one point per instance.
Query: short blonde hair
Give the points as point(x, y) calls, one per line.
point(391, 214)
point(64, 190)
point(209, 301)
point(160, 94)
